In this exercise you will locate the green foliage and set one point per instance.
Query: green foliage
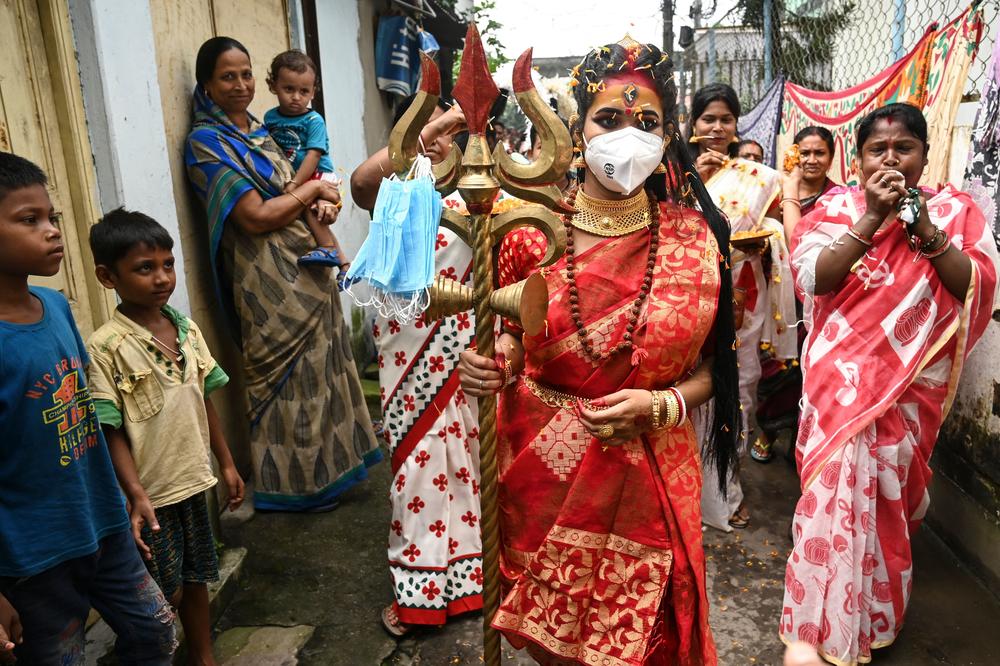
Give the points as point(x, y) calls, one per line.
point(481, 14)
point(803, 42)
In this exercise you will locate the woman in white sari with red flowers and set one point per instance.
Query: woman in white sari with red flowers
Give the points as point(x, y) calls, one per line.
point(896, 309)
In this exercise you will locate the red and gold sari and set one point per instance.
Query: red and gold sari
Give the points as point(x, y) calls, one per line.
point(602, 556)
point(881, 366)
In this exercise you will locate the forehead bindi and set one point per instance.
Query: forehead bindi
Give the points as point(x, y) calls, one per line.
point(628, 97)
point(890, 130)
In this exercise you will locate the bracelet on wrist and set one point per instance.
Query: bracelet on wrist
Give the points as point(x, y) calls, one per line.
point(673, 409)
point(655, 409)
point(853, 233)
point(935, 242)
point(934, 248)
point(681, 403)
point(293, 195)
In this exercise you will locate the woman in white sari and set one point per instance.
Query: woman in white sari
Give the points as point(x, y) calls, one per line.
point(746, 192)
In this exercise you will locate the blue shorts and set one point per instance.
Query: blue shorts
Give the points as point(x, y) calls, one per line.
point(54, 604)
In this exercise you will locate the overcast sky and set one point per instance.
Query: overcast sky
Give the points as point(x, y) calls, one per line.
point(573, 27)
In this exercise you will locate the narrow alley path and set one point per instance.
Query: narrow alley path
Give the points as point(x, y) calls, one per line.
point(327, 572)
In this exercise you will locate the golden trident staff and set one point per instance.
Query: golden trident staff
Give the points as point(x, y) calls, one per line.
point(478, 175)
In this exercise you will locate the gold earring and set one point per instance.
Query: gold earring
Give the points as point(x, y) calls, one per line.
point(578, 161)
point(660, 168)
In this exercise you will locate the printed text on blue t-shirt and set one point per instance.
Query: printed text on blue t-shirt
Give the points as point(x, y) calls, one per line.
point(71, 407)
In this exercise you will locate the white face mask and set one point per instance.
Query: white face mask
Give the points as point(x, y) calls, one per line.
point(622, 160)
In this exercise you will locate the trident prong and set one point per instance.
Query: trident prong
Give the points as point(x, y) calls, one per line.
point(404, 139)
point(534, 181)
point(452, 219)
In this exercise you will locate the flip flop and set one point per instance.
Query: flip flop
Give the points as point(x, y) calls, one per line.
point(391, 623)
point(320, 256)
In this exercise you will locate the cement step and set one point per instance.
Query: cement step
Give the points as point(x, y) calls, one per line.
point(100, 640)
point(262, 646)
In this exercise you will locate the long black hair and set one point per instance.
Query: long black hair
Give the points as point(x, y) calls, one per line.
point(683, 186)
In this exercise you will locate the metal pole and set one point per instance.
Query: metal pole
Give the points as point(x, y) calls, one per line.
point(682, 96)
point(769, 43)
point(668, 27)
point(898, 29)
point(713, 72)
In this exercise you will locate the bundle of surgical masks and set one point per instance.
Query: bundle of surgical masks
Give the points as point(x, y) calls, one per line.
point(397, 257)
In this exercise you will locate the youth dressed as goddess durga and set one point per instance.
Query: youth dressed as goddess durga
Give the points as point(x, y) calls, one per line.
point(600, 478)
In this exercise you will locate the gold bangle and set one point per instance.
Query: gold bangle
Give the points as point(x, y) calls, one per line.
point(673, 410)
point(656, 409)
point(293, 195)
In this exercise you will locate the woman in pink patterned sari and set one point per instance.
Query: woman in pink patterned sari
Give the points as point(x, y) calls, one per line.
point(896, 309)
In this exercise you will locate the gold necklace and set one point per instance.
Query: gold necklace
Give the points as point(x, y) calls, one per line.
point(611, 218)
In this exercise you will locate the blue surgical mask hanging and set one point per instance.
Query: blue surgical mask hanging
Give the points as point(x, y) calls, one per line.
point(397, 257)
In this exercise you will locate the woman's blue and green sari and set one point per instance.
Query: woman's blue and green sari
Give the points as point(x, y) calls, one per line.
point(310, 433)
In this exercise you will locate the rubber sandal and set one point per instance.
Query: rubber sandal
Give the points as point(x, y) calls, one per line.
point(342, 280)
point(760, 450)
point(320, 256)
point(391, 623)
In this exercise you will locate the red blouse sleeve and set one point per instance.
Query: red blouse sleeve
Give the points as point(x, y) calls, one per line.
point(520, 253)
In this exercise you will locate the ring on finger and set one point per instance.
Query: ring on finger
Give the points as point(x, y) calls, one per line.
point(606, 431)
point(481, 384)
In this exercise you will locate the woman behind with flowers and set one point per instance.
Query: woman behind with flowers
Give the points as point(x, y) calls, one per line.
point(748, 193)
point(600, 480)
point(806, 180)
point(898, 301)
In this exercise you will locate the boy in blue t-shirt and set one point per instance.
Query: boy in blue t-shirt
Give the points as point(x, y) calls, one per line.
point(301, 133)
point(65, 542)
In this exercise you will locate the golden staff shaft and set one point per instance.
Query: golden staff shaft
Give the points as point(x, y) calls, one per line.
point(482, 257)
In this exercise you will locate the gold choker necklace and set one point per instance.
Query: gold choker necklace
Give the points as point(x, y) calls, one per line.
point(611, 218)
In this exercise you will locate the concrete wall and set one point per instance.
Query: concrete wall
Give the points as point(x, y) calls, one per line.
point(965, 492)
point(341, 39)
point(122, 100)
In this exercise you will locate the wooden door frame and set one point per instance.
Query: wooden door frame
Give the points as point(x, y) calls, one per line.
point(74, 141)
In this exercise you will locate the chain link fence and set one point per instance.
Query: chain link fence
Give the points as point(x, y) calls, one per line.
point(821, 44)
